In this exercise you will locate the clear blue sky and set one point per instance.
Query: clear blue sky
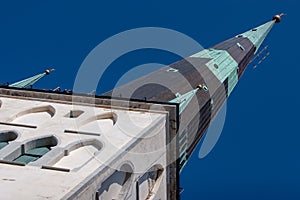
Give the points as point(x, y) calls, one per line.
point(257, 156)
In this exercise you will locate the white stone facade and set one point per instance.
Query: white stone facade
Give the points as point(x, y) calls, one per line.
point(95, 151)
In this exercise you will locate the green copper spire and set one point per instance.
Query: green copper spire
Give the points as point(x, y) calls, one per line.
point(27, 83)
point(258, 35)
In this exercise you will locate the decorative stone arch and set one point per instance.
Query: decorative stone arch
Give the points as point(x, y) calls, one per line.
point(128, 168)
point(77, 154)
point(95, 123)
point(6, 137)
point(118, 184)
point(149, 182)
point(96, 143)
point(48, 109)
point(21, 116)
point(32, 150)
point(110, 115)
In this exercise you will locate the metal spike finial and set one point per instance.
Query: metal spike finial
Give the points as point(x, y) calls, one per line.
point(48, 71)
point(277, 18)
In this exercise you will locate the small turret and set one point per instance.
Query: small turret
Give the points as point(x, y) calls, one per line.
point(29, 82)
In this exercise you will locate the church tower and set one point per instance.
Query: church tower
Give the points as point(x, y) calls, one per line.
point(59, 145)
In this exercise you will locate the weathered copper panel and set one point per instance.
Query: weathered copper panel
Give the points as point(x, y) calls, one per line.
point(241, 49)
